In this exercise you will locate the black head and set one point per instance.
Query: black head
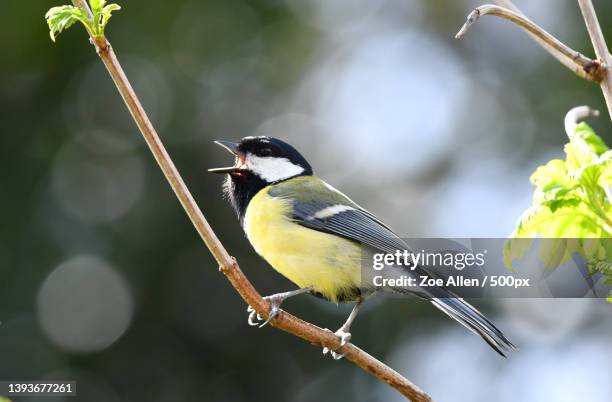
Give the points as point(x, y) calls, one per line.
point(260, 161)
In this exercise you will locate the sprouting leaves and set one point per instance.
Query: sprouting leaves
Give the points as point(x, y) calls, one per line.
point(106, 14)
point(62, 17)
point(572, 202)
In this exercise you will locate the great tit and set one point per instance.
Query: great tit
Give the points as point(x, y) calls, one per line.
point(313, 235)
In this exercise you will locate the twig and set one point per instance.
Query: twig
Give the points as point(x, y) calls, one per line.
point(575, 61)
point(228, 264)
point(601, 50)
point(575, 115)
point(589, 72)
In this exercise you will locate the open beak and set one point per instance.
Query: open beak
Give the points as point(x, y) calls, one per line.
point(232, 148)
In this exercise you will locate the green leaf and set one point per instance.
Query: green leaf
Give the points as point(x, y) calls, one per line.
point(101, 14)
point(515, 249)
point(579, 153)
point(589, 181)
point(106, 14)
point(596, 250)
point(552, 181)
point(525, 226)
point(96, 5)
point(553, 252)
point(551, 175)
point(62, 17)
point(571, 223)
point(567, 202)
point(569, 219)
point(572, 204)
point(597, 196)
point(589, 176)
point(605, 181)
point(584, 132)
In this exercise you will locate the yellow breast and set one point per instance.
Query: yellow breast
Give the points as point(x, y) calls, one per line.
point(328, 263)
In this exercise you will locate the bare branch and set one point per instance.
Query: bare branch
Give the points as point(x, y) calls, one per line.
point(228, 264)
point(575, 61)
point(563, 59)
point(601, 50)
point(575, 115)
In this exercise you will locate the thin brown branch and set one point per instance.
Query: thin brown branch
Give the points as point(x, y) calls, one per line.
point(601, 50)
point(575, 61)
point(588, 72)
point(228, 264)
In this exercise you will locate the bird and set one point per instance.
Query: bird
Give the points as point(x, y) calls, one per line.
point(314, 235)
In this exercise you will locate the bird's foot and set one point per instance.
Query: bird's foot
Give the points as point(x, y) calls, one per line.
point(275, 302)
point(344, 336)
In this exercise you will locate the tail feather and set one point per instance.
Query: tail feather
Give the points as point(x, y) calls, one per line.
point(462, 312)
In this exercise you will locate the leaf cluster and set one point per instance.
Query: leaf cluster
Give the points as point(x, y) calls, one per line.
point(572, 204)
point(63, 17)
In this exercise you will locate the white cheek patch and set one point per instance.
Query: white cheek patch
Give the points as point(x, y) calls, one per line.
point(272, 169)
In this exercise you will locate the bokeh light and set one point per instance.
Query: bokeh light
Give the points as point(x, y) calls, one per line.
point(84, 305)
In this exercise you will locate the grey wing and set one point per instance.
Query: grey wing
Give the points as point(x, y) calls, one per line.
point(354, 224)
point(318, 206)
point(333, 212)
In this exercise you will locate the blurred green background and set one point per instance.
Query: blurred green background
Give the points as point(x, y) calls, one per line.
point(103, 279)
